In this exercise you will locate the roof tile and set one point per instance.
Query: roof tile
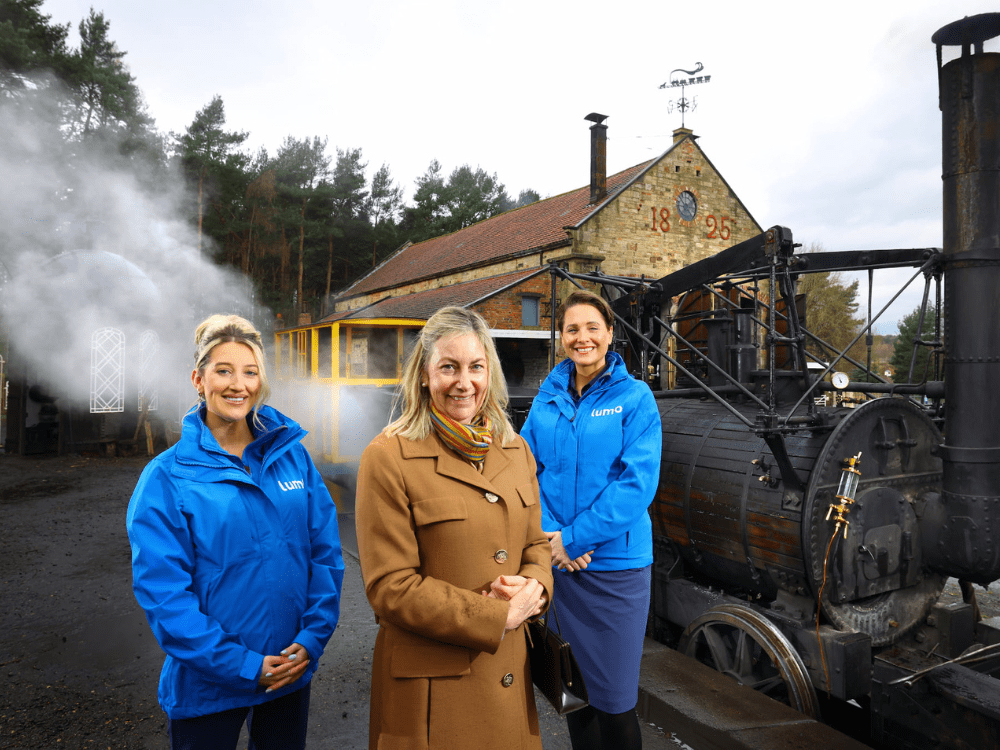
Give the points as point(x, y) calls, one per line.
point(421, 305)
point(520, 230)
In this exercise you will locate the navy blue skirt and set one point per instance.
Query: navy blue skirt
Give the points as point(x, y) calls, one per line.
point(603, 616)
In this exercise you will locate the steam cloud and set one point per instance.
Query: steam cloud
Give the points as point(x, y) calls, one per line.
point(50, 192)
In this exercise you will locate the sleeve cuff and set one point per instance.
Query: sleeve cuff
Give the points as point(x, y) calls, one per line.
point(569, 543)
point(310, 644)
point(252, 664)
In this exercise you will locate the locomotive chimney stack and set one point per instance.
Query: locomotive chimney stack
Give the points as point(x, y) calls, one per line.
point(967, 544)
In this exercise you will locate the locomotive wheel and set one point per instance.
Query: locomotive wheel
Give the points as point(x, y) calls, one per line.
point(746, 646)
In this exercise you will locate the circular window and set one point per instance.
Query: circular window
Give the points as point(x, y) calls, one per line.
point(687, 205)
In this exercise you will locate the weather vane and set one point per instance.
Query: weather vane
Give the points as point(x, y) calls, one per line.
point(684, 104)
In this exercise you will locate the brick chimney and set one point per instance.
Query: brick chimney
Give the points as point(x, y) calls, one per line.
point(598, 157)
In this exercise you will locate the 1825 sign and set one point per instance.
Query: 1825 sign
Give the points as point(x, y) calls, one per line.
point(719, 227)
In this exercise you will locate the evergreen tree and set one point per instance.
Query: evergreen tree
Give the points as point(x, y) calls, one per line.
point(473, 196)
point(108, 111)
point(350, 230)
point(831, 309)
point(302, 170)
point(385, 206)
point(29, 43)
point(468, 197)
point(524, 198)
point(108, 96)
point(218, 172)
point(902, 351)
point(428, 215)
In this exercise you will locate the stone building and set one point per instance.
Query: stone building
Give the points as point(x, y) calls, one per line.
point(649, 220)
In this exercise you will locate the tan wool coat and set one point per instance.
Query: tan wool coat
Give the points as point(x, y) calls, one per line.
point(433, 532)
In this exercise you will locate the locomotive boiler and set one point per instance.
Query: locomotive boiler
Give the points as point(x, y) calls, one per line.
point(806, 522)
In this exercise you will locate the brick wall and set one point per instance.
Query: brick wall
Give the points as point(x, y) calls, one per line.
point(504, 310)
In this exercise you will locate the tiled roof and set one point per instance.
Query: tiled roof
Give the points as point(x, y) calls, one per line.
point(421, 305)
point(521, 230)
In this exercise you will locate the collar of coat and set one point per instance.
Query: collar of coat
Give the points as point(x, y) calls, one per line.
point(554, 387)
point(198, 454)
point(450, 464)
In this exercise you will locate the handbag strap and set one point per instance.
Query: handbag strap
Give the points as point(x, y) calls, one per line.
point(552, 612)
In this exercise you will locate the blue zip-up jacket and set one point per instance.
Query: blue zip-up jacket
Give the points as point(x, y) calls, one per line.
point(598, 464)
point(232, 561)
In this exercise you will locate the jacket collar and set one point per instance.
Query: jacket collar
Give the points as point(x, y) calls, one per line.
point(199, 447)
point(449, 464)
point(555, 385)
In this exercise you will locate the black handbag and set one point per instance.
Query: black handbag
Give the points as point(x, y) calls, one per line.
point(553, 667)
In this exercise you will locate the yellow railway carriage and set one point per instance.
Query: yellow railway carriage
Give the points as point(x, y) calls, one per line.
point(337, 378)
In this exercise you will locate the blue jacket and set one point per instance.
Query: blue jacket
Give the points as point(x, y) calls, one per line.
point(232, 562)
point(598, 464)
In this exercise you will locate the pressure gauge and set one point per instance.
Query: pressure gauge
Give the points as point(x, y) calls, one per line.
point(840, 380)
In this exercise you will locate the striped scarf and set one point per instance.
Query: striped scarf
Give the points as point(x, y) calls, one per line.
point(470, 441)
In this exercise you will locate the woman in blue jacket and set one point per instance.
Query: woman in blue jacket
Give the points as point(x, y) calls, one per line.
point(236, 556)
point(595, 433)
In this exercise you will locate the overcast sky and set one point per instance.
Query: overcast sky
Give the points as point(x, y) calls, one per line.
point(822, 120)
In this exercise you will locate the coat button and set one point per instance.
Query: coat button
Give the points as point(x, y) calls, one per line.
point(491, 498)
point(500, 556)
point(508, 680)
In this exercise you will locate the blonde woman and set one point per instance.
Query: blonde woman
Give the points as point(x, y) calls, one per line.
point(452, 552)
point(236, 557)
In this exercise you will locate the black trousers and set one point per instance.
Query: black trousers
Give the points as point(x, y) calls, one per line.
point(279, 724)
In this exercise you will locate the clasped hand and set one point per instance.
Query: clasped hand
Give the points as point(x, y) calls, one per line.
point(283, 669)
point(526, 598)
point(561, 559)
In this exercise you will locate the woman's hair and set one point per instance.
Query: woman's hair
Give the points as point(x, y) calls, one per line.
point(583, 297)
point(223, 329)
point(415, 422)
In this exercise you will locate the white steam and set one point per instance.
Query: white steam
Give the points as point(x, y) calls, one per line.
point(79, 202)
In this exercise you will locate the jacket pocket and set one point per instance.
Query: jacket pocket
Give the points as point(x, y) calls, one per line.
point(437, 509)
point(528, 495)
point(429, 660)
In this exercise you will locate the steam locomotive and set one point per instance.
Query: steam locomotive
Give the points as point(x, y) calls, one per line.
point(803, 548)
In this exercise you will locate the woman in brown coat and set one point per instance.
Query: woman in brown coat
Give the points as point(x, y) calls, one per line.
point(452, 552)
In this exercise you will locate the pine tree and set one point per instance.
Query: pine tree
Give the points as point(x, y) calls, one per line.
point(902, 353)
point(29, 43)
point(211, 161)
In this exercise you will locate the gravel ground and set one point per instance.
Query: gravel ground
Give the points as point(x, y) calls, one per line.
point(79, 663)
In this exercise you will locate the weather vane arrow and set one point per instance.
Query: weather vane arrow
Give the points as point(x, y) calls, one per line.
point(683, 104)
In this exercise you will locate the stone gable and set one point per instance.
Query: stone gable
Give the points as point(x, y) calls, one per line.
point(641, 230)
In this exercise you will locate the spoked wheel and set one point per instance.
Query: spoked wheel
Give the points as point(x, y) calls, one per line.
point(743, 644)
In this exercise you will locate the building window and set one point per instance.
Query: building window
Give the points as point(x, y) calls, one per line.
point(529, 312)
point(107, 367)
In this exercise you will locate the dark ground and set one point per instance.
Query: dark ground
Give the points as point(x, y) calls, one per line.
point(78, 663)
